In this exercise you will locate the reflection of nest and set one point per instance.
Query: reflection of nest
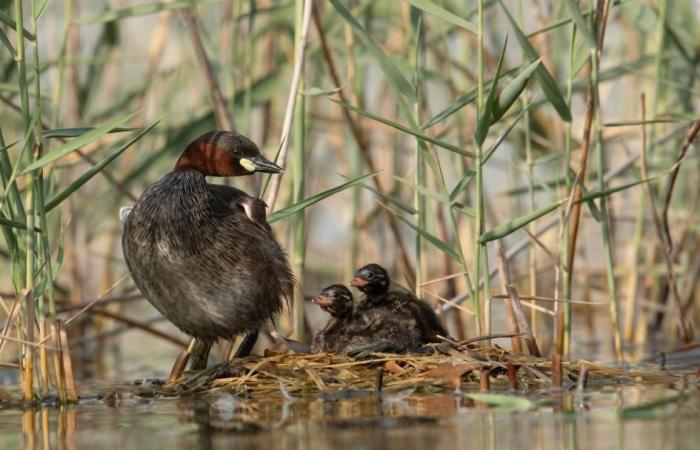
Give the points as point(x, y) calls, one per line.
point(280, 375)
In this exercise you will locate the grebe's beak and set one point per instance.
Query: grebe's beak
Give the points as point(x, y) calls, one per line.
point(260, 164)
point(358, 282)
point(322, 300)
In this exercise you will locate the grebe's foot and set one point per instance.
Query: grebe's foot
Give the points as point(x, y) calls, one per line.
point(205, 377)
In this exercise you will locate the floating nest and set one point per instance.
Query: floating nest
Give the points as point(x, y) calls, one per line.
point(299, 374)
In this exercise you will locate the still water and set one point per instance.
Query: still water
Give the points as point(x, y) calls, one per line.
point(603, 417)
point(118, 415)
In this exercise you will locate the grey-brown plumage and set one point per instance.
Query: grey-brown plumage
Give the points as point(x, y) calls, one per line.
point(373, 280)
point(203, 254)
point(351, 332)
point(340, 330)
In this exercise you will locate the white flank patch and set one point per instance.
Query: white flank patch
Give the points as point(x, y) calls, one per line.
point(163, 248)
point(124, 212)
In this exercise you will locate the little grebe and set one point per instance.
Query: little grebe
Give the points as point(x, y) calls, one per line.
point(203, 254)
point(348, 332)
point(373, 280)
point(336, 300)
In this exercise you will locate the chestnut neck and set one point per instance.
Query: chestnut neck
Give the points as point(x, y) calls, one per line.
point(208, 159)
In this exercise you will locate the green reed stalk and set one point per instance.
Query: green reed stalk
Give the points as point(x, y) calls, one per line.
point(39, 204)
point(529, 164)
point(249, 57)
point(355, 154)
point(420, 179)
point(236, 10)
point(27, 316)
point(298, 164)
point(604, 220)
point(61, 69)
point(564, 243)
point(639, 224)
point(479, 220)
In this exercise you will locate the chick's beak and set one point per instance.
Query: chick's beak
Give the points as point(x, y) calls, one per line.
point(322, 300)
point(264, 165)
point(358, 282)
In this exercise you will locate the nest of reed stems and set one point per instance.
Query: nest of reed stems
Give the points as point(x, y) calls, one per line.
point(442, 371)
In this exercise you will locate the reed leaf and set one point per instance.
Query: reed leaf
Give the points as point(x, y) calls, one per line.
point(84, 139)
point(513, 89)
point(545, 80)
point(7, 43)
point(437, 196)
point(62, 133)
point(394, 77)
point(7, 20)
point(486, 115)
point(94, 170)
point(443, 14)
point(142, 10)
point(516, 224)
point(582, 28)
point(428, 236)
point(308, 201)
point(460, 103)
point(462, 184)
point(402, 205)
point(13, 224)
point(405, 129)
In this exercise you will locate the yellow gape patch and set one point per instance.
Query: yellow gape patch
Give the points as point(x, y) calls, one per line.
point(247, 164)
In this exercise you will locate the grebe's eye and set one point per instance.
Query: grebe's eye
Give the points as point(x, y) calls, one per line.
point(370, 275)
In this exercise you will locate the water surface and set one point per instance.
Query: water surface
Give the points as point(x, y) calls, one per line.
point(603, 417)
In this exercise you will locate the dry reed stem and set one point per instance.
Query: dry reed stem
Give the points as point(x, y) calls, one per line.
point(359, 135)
point(223, 118)
point(19, 299)
point(309, 373)
point(484, 382)
point(574, 203)
point(99, 302)
point(33, 344)
point(179, 366)
point(44, 378)
point(671, 182)
point(71, 394)
point(513, 376)
point(27, 354)
point(602, 9)
point(540, 298)
point(557, 371)
point(57, 362)
point(665, 239)
point(516, 314)
point(140, 326)
point(93, 302)
point(299, 59)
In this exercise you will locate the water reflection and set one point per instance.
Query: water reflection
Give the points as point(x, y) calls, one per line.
point(121, 419)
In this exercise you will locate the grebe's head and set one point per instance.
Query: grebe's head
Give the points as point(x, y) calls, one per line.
point(371, 279)
point(336, 300)
point(223, 154)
